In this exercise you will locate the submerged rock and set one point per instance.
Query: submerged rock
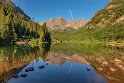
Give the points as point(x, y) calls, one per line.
point(46, 63)
point(41, 67)
point(23, 75)
point(29, 69)
point(88, 68)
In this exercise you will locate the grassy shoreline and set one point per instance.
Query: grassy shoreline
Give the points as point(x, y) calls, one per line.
point(110, 35)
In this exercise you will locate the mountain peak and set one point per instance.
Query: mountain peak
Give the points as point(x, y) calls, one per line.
point(60, 19)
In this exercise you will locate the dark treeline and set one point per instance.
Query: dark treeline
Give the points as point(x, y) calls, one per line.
point(46, 37)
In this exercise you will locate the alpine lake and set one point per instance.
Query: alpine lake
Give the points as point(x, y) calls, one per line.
point(62, 63)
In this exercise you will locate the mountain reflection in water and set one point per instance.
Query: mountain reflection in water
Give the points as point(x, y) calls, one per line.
point(68, 72)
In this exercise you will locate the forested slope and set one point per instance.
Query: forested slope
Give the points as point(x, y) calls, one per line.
point(15, 24)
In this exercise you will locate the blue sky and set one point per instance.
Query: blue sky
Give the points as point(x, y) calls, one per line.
point(69, 9)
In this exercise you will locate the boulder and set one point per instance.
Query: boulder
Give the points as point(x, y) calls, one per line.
point(117, 61)
point(112, 69)
point(100, 69)
point(120, 67)
point(104, 63)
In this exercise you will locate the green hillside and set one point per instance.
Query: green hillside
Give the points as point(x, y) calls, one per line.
point(106, 26)
point(112, 14)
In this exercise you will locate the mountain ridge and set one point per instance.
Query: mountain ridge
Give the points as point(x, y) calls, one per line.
point(62, 24)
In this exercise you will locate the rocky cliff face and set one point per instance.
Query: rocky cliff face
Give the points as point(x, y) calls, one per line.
point(61, 24)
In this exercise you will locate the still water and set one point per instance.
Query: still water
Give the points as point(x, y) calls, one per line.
point(42, 64)
point(68, 72)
